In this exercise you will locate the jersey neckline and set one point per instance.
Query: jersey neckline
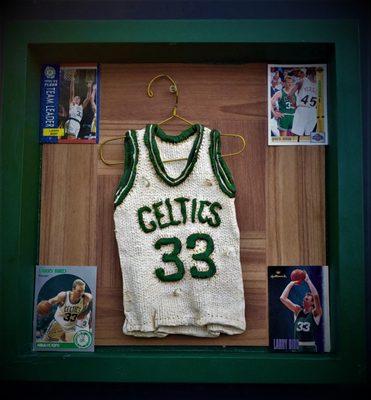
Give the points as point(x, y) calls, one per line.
point(153, 130)
point(69, 298)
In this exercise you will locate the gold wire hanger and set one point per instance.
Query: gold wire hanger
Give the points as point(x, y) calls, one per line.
point(173, 89)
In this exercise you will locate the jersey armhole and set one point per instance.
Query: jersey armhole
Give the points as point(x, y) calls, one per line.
point(220, 167)
point(317, 319)
point(296, 313)
point(130, 166)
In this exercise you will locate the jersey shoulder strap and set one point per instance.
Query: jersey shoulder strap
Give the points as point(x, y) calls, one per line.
point(220, 167)
point(130, 166)
point(66, 299)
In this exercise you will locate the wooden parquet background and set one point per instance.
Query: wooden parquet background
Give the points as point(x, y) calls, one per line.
point(281, 190)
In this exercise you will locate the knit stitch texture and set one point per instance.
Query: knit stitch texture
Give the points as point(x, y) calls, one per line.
point(176, 282)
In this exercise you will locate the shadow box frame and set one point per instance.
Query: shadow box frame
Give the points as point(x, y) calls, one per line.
point(28, 44)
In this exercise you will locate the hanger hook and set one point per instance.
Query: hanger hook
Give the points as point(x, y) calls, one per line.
point(173, 89)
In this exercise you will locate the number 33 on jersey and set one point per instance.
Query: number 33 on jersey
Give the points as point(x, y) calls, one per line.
point(177, 236)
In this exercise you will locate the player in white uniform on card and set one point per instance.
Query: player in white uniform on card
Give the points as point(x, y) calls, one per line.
point(305, 117)
point(94, 107)
point(76, 109)
point(71, 306)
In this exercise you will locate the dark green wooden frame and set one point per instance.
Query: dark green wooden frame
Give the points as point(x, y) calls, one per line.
point(27, 44)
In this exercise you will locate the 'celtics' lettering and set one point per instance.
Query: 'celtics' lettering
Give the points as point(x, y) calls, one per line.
point(181, 210)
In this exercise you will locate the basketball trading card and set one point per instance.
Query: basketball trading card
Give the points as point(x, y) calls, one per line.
point(297, 104)
point(64, 308)
point(299, 318)
point(69, 103)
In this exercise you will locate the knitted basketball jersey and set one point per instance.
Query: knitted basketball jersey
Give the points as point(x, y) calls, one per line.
point(177, 236)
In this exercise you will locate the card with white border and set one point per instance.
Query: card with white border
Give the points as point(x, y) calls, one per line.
point(64, 308)
point(297, 104)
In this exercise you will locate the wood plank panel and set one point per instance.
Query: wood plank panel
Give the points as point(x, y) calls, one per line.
point(109, 272)
point(223, 92)
point(206, 92)
point(296, 206)
point(280, 190)
point(68, 205)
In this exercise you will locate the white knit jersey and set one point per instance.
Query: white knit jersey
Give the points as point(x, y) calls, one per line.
point(66, 314)
point(178, 237)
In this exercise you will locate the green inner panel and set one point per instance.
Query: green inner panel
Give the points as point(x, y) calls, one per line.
point(29, 44)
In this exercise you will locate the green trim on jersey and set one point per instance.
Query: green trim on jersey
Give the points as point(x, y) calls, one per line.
point(130, 167)
point(154, 154)
point(220, 168)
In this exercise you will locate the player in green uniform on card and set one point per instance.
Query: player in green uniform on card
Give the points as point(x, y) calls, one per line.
point(307, 317)
point(283, 107)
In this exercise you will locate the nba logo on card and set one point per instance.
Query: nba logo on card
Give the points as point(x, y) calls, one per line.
point(317, 137)
point(50, 72)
